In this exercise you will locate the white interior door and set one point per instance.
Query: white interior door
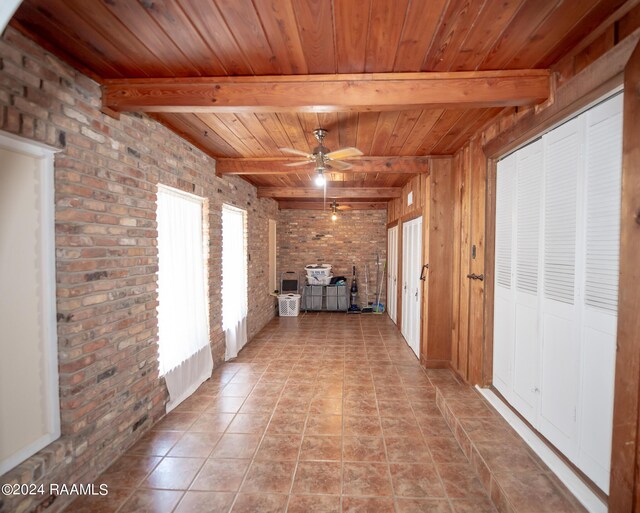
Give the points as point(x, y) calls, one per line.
point(504, 296)
point(417, 284)
point(560, 357)
point(406, 265)
point(527, 221)
point(412, 295)
point(600, 299)
point(392, 273)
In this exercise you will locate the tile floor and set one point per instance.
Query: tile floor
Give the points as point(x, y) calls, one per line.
point(320, 413)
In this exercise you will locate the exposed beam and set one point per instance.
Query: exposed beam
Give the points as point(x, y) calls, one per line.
point(332, 192)
point(277, 166)
point(328, 93)
point(320, 205)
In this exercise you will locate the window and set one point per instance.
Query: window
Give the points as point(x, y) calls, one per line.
point(273, 279)
point(29, 404)
point(183, 325)
point(234, 279)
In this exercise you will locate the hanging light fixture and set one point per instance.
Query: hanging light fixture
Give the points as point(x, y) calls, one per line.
point(334, 211)
point(320, 180)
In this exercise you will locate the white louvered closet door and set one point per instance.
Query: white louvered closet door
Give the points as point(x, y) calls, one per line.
point(600, 285)
point(504, 296)
point(556, 283)
point(560, 360)
point(528, 219)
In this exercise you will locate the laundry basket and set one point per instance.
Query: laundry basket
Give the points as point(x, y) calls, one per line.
point(289, 305)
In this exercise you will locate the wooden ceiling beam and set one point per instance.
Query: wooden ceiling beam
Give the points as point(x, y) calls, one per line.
point(278, 166)
point(342, 205)
point(329, 93)
point(331, 193)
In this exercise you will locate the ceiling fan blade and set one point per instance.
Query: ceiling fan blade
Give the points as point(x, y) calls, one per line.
point(299, 153)
point(344, 153)
point(296, 164)
point(339, 166)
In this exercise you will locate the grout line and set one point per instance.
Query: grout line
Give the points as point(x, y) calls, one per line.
point(371, 352)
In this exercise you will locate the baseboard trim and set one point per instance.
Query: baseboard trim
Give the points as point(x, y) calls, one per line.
point(436, 364)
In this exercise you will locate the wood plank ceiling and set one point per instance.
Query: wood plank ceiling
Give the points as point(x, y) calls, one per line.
point(122, 39)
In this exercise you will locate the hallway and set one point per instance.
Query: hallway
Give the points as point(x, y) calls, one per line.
point(320, 413)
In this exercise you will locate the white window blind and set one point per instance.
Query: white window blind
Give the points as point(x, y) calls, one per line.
point(183, 327)
point(562, 158)
point(604, 161)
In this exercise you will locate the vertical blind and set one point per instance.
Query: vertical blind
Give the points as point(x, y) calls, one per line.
point(182, 311)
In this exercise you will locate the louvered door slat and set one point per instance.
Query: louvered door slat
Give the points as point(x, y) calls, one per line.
point(562, 157)
point(529, 194)
point(504, 219)
point(603, 165)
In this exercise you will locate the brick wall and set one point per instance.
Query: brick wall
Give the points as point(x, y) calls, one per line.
point(310, 237)
point(106, 259)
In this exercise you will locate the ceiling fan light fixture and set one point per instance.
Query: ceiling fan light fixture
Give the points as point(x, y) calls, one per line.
point(322, 157)
point(334, 211)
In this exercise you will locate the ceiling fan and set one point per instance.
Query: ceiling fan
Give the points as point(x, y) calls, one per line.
point(322, 157)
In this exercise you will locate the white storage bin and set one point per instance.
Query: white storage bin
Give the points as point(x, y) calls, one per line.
point(289, 305)
point(318, 270)
point(319, 280)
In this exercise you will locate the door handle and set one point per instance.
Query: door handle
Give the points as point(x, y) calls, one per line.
point(422, 276)
point(474, 276)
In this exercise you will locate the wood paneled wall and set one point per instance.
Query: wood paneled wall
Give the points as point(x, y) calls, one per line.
point(463, 219)
point(585, 74)
point(436, 346)
point(399, 209)
point(594, 68)
point(433, 199)
point(467, 329)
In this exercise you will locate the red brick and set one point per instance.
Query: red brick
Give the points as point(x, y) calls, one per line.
point(106, 223)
